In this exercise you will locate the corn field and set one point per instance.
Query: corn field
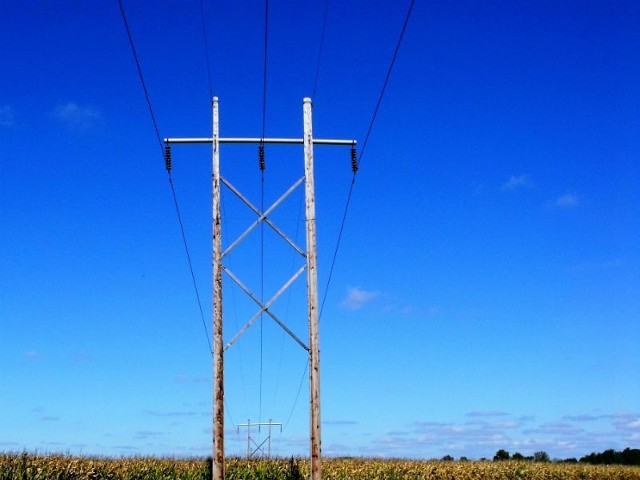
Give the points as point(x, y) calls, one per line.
point(62, 467)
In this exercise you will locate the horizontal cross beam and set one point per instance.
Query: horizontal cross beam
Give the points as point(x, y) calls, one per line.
point(280, 141)
point(264, 424)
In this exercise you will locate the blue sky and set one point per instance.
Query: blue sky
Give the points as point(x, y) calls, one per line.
point(485, 293)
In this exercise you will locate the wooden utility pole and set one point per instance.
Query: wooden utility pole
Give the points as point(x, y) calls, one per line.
point(265, 307)
point(312, 295)
point(218, 350)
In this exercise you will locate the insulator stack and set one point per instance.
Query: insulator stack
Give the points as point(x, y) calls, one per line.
point(167, 157)
point(261, 156)
point(354, 159)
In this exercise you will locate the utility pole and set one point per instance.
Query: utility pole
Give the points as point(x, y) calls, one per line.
point(312, 295)
point(309, 254)
point(218, 352)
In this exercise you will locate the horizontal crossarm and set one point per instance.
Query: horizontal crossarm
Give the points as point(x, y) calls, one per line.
point(280, 141)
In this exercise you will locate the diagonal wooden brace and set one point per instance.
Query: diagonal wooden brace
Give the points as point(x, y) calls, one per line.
point(264, 307)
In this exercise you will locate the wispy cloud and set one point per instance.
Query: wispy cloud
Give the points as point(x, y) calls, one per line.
point(170, 414)
point(584, 418)
point(516, 182)
point(568, 200)
point(82, 357)
point(40, 413)
point(357, 298)
point(484, 432)
point(49, 418)
point(183, 379)
point(336, 423)
point(130, 448)
point(31, 355)
point(628, 425)
point(77, 117)
point(555, 428)
point(486, 413)
point(8, 443)
point(144, 434)
point(7, 118)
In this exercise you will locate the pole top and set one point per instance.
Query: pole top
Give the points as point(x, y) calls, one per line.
point(215, 99)
point(306, 100)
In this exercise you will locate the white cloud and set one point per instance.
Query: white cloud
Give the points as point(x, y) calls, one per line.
point(583, 418)
point(7, 118)
point(145, 434)
point(49, 418)
point(517, 181)
point(568, 200)
point(628, 424)
point(556, 428)
point(31, 355)
point(486, 413)
point(339, 423)
point(82, 357)
point(76, 117)
point(485, 431)
point(357, 298)
point(170, 414)
point(634, 424)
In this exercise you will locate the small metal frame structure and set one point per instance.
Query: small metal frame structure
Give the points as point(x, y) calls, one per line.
point(251, 452)
point(310, 265)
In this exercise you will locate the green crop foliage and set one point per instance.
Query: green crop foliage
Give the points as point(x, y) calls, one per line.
point(27, 466)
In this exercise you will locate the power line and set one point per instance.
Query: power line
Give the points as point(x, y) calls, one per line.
point(186, 250)
point(144, 85)
point(206, 47)
point(335, 252)
point(386, 81)
point(362, 150)
point(261, 289)
point(295, 401)
point(264, 77)
point(262, 167)
point(324, 25)
point(173, 191)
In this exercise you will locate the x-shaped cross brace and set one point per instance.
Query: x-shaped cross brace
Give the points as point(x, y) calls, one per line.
point(264, 306)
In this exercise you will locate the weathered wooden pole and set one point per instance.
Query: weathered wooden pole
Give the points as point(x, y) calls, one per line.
point(312, 295)
point(218, 347)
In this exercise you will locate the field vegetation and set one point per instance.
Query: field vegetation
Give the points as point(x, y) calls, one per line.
point(62, 467)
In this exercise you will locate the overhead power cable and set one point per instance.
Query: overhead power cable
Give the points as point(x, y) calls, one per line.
point(167, 163)
point(206, 47)
point(264, 76)
point(362, 150)
point(144, 85)
point(384, 85)
point(295, 401)
point(262, 167)
point(324, 26)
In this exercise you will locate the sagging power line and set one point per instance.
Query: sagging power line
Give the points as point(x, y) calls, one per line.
point(356, 163)
point(166, 155)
